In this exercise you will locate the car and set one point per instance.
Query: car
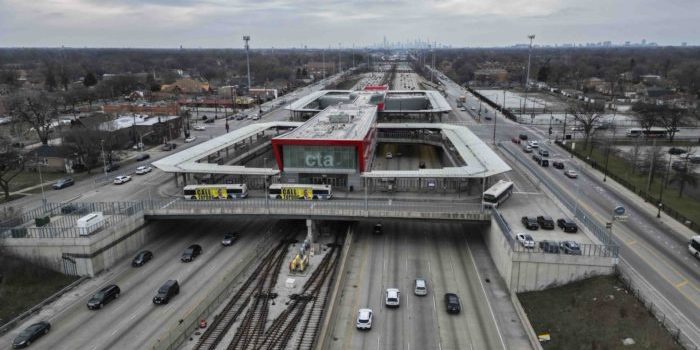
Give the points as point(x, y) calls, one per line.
point(421, 164)
point(169, 147)
point(567, 225)
point(545, 222)
point(229, 238)
point(63, 183)
point(240, 116)
point(523, 137)
point(142, 258)
point(392, 297)
point(75, 209)
point(31, 334)
point(452, 303)
point(515, 140)
point(549, 247)
point(572, 174)
point(210, 121)
point(191, 252)
point(533, 144)
point(543, 152)
point(530, 222)
point(168, 290)
point(558, 164)
point(570, 247)
point(256, 117)
point(122, 179)
point(676, 151)
point(378, 229)
point(103, 296)
point(421, 287)
point(577, 128)
point(463, 109)
point(190, 139)
point(111, 167)
point(527, 149)
point(144, 169)
point(525, 240)
point(199, 127)
point(143, 157)
point(364, 319)
point(389, 155)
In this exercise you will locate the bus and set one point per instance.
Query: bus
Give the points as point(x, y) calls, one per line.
point(497, 194)
point(215, 192)
point(694, 246)
point(652, 132)
point(300, 191)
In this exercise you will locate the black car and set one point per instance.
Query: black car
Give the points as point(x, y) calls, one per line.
point(168, 290)
point(530, 222)
point(378, 229)
point(142, 258)
point(74, 209)
point(111, 167)
point(676, 151)
point(570, 247)
point(240, 117)
point(452, 303)
point(209, 121)
point(104, 296)
point(31, 334)
point(567, 225)
point(191, 252)
point(169, 146)
point(558, 164)
point(63, 183)
point(545, 222)
point(549, 247)
point(523, 137)
point(143, 157)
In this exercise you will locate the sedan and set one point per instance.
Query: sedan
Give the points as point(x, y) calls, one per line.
point(452, 303)
point(545, 222)
point(63, 183)
point(190, 139)
point(572, 174)
point(558, 164)
point(143, 157)
point(389, 155)
point(364, 319)
point(549, 247)
point(526, 240)
point(527, 149)
point(533, 144)
point(530, 222)
point(111, 167)
point(144, 169)
point(31, 334)
point(142, 258)
point(191, 252)
point(229, 238)
point(199, 127)
point(122, 179)
point(570, 247)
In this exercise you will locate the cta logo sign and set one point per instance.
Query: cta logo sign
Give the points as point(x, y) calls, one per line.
point(319, 160)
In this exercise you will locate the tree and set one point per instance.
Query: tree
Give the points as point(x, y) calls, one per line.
point(50, 79)
point(85, 144)
point(670, 118)
point(586, 114)
point(682, 178)
point(11, 165)
point(89, 79)
point(37, 109)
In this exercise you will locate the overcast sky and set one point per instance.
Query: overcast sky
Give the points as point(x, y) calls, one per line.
point(323, 23)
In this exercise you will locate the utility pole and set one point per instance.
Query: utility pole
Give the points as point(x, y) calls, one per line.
point(340, 65)
point(246, 38)
point(527, 76)
point(323, 58)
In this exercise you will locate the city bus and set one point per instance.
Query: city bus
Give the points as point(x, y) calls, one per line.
point(215, 192)
point(694, 246)
point(497, 193)
point(652, 132)
point(300, 191)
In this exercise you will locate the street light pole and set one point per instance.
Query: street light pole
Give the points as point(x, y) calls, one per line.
point(104, 159)
point(246, 38)
point(527, 76)
point(41, 180)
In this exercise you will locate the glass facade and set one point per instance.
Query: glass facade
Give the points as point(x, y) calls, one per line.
point(320, 157)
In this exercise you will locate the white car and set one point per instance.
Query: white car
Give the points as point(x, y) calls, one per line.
point(364, 319)
point(389, 155)
point(144, 169)
point(122, 179)
point(572, 174)
point(533, 144)
point(256, 117)
point(190, 139)
point(526, 240)
point(199, 127)
point(392, 297)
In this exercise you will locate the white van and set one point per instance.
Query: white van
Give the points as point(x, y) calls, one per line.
point(421, 287)
point(90, 223)
point(392, 297)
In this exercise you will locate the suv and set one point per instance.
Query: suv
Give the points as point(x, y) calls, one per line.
point(545, 222)
point(558, 164)
point(392, 297)
point(364, 319)
point(549, 247)
point(421, 287)
point(676, 151)
point(523, 137)
point(530, 222)
point(191, 252)
point(63, 183)
point(142, 258)
point(452, 303)
point(104, 296)
point(168, 290)
point(570, 247)
point(567, 225)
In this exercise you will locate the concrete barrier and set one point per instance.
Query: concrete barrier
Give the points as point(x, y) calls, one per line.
point(531, 335)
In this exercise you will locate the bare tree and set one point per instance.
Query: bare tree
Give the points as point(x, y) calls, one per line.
point(85, 143)
point(11, 164)
point(648, 114)
point(37, 109)
point(684, 177)
point(586, 114)
point(670, 118)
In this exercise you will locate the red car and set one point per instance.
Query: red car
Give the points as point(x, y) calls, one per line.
point(515, 140)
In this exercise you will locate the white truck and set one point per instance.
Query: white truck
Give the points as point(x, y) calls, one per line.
point(90, 223)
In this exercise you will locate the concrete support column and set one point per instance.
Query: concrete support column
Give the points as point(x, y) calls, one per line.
point(184, 180)
point(175, 178)
point(310, 234)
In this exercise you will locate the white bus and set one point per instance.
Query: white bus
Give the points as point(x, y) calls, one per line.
point(497, 194)
point(300, 191)
point(694, 246)
point(652, 132)
point(215, 192)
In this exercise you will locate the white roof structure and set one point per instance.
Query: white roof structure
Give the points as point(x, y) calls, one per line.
point(436, 101)
point(128, 121)
point(339, 122)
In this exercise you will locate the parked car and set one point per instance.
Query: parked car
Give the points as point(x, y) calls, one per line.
point(421, 287)
point(570, 247)
point(545, 222)
point(533, 144)
point(143, 156)
point(168, 290)
point(549, 247)
point(31, 334)
point(525, 240)
point(558, 164)
point(452, 303)
point(168, 147)
point(229, 238)
point(122, 179)
point(527, 149)
point(103, 296)
point(144, 169)
point(75, 209)
point(191, 252)
point(364, 319)
point(199, 127)
point(240, 116)
point(63, 183)
point(523, 137)
point(392, 297)
point(676, 151)
point(572, 174)
point(543, 152)
point(530, 222)
point(111, 167)
point(567, 225)
point(142, 258)
point(256, 117)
